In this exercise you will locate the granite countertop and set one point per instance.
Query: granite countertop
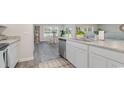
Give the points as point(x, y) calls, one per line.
point(11, 39)
point(116, 45)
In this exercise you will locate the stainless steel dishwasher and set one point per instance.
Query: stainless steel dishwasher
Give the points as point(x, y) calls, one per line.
point(62, 47)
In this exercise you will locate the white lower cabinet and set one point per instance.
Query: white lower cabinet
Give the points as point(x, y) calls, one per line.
point(2, 61)
point(12, 55)
point(96, 61)
point(76, 55)
point(81, 56)
point(103, 58)
point(113, 64)
point(70, 53)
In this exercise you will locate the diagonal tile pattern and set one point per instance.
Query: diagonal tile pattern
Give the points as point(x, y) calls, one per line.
point(45, 51)
point(56, 63)
point(46, 56)
point(27, 64)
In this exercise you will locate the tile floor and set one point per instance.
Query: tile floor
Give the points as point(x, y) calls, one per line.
point(54, 63)
point(27, 64)
point(45, 51)
point(46, 56)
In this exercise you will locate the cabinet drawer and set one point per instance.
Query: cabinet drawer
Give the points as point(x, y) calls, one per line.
point(114, 55)
point(13, 54)
point(78, 45)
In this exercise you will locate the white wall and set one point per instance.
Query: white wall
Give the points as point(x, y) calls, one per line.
point(25, 31)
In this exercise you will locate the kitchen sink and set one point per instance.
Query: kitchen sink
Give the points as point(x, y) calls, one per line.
point(86, 40)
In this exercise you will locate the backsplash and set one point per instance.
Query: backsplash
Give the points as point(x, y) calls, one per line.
point(112, 31)
point(115, 35)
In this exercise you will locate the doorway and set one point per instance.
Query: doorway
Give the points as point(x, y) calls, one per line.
point(46, 42)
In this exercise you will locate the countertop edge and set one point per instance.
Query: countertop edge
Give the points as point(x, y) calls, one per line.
point(89, 44)
point(11, 39)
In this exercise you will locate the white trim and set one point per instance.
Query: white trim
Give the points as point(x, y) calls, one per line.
point(26, 59)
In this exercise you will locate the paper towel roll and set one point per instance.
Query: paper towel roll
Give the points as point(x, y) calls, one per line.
point(101, 35)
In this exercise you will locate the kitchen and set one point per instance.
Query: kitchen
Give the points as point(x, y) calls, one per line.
point(105, 50)
point(18, 50)
point(78, 46)
point(51, 46)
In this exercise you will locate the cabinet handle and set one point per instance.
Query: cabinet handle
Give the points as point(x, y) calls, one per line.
point(4, 56)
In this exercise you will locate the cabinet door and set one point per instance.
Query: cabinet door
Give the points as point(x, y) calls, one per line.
point(96, 61)
point(80, 58)
point(12, 55)
point(113, 64)
point(2, 62)
point(73, 55)
point(70, 53)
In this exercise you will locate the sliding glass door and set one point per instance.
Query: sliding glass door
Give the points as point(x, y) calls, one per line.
point(51, 33)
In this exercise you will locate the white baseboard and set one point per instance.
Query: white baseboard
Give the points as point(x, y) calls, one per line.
point(26, 59)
